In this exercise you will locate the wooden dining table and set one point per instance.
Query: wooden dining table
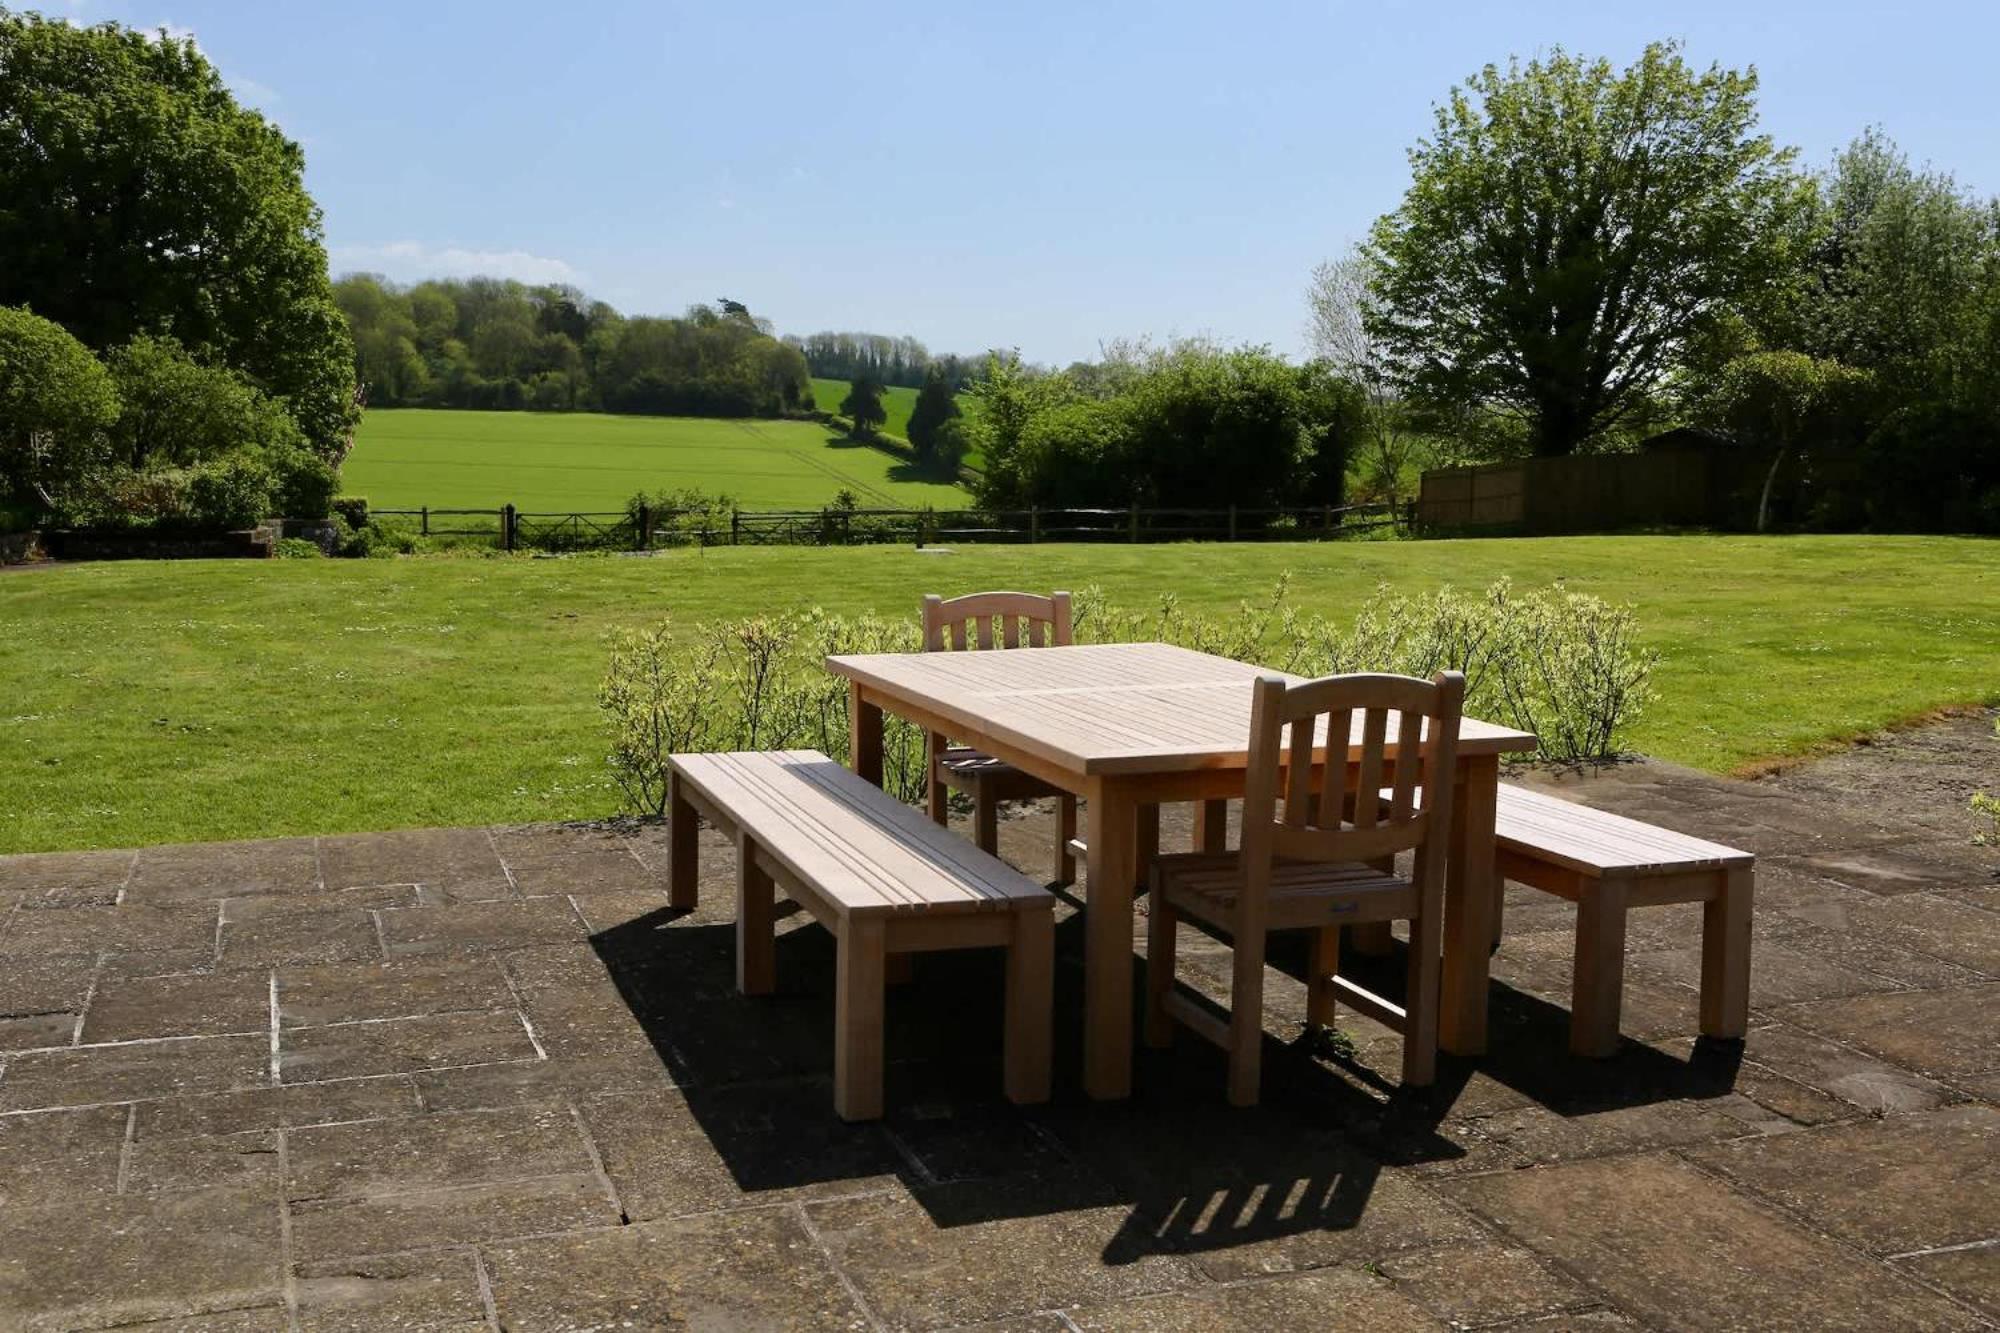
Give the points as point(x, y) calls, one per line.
point(1128, 727)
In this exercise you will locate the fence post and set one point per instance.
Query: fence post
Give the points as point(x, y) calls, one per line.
point(645, 533)
point(507, 514)
point(1133, 530)
point(1034, 524)
point(427, 520)
point(735, 521)
point(1232, 523)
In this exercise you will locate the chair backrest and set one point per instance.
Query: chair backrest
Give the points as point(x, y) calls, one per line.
point(1349, 817)
point(996, 620)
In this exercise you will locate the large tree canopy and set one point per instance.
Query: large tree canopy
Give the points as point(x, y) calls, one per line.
point(57, 404)
point(137, 197)
point(1569, 228)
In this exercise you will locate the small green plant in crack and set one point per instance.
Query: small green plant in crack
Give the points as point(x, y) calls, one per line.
point(1986, 808)
point(1329, 1043)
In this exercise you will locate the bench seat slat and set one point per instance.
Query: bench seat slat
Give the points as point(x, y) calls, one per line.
point(868, 852)
point(1597, 842)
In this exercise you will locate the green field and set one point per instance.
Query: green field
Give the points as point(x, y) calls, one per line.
point(406, 458)
point(172, 702)
point(896, 401)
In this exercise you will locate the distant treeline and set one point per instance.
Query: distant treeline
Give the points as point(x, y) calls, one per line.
point(491, 343)
point(902, 362)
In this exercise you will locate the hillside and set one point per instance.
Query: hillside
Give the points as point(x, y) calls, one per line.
point(551, 461)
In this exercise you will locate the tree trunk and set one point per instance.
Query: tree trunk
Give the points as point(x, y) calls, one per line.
point(1770, 480)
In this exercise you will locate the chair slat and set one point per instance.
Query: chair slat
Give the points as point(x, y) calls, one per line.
point(1011, 635)
point(1374, 730)
point(1298, 774)
point(1409, 734)
point(1333, 790)
point(958, 635)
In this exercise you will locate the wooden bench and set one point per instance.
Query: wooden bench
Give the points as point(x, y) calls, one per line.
point(1607, 864)
point(883, 879)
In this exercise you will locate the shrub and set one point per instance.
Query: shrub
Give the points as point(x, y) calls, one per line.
point(303, 484)
point(297, 548)
point(229, 493)
point(57, 407)
point(681, 517)
point(353, 508)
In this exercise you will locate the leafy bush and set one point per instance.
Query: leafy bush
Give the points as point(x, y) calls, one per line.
point(229, 493)
point(57, 406)
point(297, 548)
point(1564, 665)
point(303, 485)
point(353, 508)
point(681, 516)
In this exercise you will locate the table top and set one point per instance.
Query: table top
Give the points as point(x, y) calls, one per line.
point(1105, 708)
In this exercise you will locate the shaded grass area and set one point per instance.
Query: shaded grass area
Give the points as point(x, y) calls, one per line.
point(152, 703)
point(405, 458)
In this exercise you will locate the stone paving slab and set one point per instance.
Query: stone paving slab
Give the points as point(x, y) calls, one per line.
point(487, 1078)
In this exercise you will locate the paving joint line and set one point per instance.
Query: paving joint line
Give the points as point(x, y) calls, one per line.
point(597, 1161)
point(847, 1283)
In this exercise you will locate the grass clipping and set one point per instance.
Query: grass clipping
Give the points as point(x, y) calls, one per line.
point(1567, 666)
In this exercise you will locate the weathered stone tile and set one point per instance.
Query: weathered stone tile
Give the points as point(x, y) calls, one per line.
point(1927, 923)
point(1683, 1250)
point(32, 1031)
point(462, 1215)
point(46, 984)
point(257, 1319)
point(728, 1270)
point(128, 929)
point(955, 1254)
point(36, 873)
point(439, 858)
point(1948, 1032)
point(1333, 1297)
point(433, 1151)
point(1779, 973)
point(1884, 870)
point(1479, 1284)
point(402, 1045)
point(670, 1154)
point(248, 1160)
point(585, 872)
point(397, 1291)
point(628, 914)
point(532, 842)
point(486, 1087)
point(302, 929)
point(347, 992)
point(51, 1156)
point(1540, 965)
point(1873, 956)
point(133, 1071)
point(192, 872)
point(479, 927)
point(81, 895)
point(1542, 1135)
point(1857, 1079)
point(179, 1006)
point(278, 1108)
point(119, 1259)
point(1971, 1273)
point(1907, 1182)
point(34, 1136)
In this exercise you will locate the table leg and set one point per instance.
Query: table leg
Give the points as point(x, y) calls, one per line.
point(1211, 826)
point(683, 848)
point(864, 735)
point(1468, 906)
point(1107, 921)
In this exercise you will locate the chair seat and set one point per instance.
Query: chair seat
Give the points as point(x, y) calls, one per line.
point(1303, 893)
point(967, 769)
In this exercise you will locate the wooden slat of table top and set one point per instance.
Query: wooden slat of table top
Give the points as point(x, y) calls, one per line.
point(1105, 708)
point(868, 852)
point(1599, 842)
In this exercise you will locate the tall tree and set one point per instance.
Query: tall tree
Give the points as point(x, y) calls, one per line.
point(1338, 300)
point(863, 406)
point(936, 404)
point(140, 198)
point(1569, 228)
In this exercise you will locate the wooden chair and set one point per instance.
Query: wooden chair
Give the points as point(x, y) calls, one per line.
point(996, 620)
point(1326, 861)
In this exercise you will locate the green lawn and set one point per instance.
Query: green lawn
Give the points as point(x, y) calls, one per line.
point(167, 702)
point(405, 458)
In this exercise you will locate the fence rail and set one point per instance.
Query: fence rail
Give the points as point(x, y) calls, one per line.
point(646, 529)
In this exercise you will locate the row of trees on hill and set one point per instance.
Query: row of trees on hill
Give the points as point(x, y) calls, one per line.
point(898, 362)
point(170, 350)
point(492, 343)
point(1587, 255)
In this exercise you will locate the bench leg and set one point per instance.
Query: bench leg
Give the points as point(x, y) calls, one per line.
point(756, 923)
point(1030, 1003)
point(857, 1022)
point(936, 795)
point(1065, 830)
point(1599, 977)
point(985, 819)
point(1725, 958)
point(1162, 929)
point(683, 848)
point(1211, 827)
point(1324, 964)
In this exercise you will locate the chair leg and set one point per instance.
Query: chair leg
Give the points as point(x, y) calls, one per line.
point(1065, 830)
point(1030, 1004)
point(1320, 971)
point(1599, 973)
point(1246, 1022)
point(985, 819)
point(756, 923)
point(1373, 939)
point(1162, 928)
point(1422, 997)
point(936, 795)
point(1725, 958)
point(857, 1022)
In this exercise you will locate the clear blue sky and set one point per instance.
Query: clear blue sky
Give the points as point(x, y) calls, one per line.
point(1040, 175)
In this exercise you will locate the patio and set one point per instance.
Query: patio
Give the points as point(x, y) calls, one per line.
point(486, 1078)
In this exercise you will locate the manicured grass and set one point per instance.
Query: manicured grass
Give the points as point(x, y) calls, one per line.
point(169, 702)
point(405, 458)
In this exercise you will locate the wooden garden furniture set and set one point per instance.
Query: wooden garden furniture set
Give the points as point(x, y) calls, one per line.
point(1337, 777)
